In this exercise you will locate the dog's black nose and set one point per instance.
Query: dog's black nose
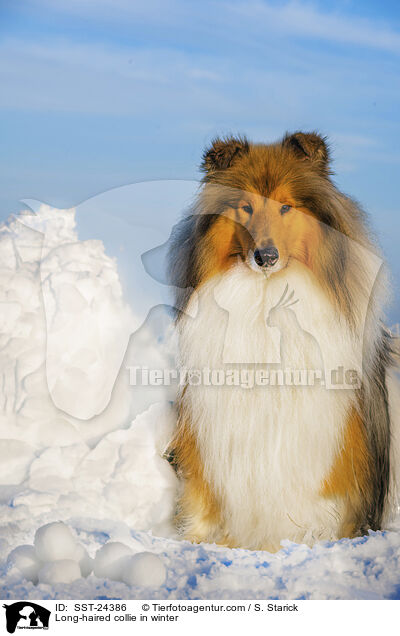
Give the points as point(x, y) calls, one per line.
point(266, 257)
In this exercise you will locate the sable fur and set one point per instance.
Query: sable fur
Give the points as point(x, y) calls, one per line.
point(355, 473)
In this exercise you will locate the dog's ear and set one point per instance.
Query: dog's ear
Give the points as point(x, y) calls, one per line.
point(309, 147)
point(223, 153)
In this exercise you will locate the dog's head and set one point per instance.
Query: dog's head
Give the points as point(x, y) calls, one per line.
point(270, 199)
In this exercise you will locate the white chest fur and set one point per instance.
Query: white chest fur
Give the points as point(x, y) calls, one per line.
point(266, 450)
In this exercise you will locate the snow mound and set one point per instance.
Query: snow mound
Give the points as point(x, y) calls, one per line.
point(107, 466)
point(64, 330)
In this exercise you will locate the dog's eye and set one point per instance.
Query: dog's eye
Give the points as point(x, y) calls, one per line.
point(247, 208)
point(285, 208)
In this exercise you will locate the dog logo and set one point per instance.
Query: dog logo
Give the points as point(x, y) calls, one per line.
point(26, 615)
point(134, 232)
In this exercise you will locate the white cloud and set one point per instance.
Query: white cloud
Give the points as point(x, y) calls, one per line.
point(95, 78)
point(305, 20)
point(295, 18)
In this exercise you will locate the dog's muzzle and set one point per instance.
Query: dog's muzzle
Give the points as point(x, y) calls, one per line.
point(266, 256)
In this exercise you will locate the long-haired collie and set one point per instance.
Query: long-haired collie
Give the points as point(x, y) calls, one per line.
point(286, 432)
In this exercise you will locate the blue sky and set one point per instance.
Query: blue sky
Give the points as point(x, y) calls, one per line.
point(96, 94)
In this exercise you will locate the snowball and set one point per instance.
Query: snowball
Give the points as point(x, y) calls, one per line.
point(84, 560)
point(144, 570)
point(61, 571)
point(25, 560)
point(110, 559)
point(54, 542)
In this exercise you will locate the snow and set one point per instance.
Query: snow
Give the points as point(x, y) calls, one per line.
point(109, 560)
point(144, 570)
point(24, 559)
point(85, 561)
point(62, 571)
point(86, 497)
point(54, 542)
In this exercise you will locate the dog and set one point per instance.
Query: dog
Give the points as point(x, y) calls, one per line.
point(276, 271)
